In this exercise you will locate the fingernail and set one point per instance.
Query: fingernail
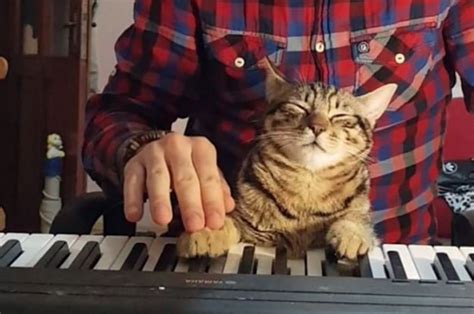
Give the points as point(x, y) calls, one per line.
point(131, 214)
point(194, 222)
point(162, 214)
point(229, 204)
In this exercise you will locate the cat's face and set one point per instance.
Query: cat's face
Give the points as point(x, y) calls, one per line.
point(318, 126)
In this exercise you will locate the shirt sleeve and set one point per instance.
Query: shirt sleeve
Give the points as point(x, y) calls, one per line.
point(154, 83)
point(459, 38)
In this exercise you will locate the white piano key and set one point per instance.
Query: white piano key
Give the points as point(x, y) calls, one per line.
point(314, 262)
point(182, 266)
point(297, 267)
point(467, 250)
point(31, 246)
point(127, 248)
point(110, 248)
point(265, 257)
point(68, 238)
point(377, 262)
point(13, 236)
point(457, 259)
point(233, 259)
point(77, 247)
point(154, 252)
point(424, 257)
point(407, 261)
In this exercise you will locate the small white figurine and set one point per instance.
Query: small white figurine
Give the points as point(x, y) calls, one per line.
point(55, 147)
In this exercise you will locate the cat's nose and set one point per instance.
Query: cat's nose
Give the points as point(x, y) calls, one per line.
point(317, 123)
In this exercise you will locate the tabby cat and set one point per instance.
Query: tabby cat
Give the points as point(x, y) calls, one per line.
point(305, 182)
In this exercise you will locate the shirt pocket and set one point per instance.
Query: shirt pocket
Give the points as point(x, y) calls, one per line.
point(401, 55)
point(232, 58)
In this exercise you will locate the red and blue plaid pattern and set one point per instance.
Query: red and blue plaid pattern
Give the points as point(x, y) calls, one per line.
point(179, 59)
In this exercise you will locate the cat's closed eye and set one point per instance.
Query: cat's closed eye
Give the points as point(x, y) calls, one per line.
point(345, 121)
point(295, 109)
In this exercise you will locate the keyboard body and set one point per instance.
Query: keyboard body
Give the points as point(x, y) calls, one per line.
point(26, 288)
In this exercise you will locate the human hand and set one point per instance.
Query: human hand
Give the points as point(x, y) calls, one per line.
point(187, 165)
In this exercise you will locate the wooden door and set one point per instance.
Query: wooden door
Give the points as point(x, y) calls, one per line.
point(45, 91)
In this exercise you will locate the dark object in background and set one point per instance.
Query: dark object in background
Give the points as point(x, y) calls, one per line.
point(463, 229)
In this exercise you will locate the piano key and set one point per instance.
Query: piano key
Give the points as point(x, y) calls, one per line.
point(68, 238)
point(375, 264)
point(93, 257)
point(182, 265)
point(9, 252)
point(155, 251)
point(468, 252)
point(247, 261)
point(13, 236)
point(136, 258)
point(216, 265)
point(199, 264)
point(31, 246)
point(168, 258)
point(55, 255)
point(110, 248)
point(232, 261)
point(125, 252)
point(314, 262)
point(280, 264)
point(457, 259)
point(396, 265)
point(331, 265)
point(265, 257)
point(447, 266)
point(79, 260)
point(77, 247)
point(297, 267)
point(424, 257)
point(407, 263)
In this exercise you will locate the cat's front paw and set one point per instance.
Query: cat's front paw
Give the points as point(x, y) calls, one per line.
point(350, 239)
point(207, 242)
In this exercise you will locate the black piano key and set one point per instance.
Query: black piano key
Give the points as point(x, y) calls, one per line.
point(364, 267)
point(9, 252)
point(168, 258)
point(92, 259)
point(447, 266)
point(54, 256)
point(246, 265)
point(470, 268)
point(397, 266)
point(137, 257)
point(280, 265)
point(471, 256)
point(329, 265)
point(91, 248)
point(199, 264)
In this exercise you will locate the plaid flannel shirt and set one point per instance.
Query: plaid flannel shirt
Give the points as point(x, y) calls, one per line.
point(197, 59)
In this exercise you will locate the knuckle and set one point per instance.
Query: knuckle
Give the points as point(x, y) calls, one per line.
point(185, 180)
point(174, 140)
point(158, 171)
point(210, 180)
point(203, 143)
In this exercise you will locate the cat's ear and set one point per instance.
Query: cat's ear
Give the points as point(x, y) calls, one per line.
point(276, 86)
point(376, 102)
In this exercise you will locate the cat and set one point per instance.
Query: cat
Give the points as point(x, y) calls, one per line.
point(305, 182)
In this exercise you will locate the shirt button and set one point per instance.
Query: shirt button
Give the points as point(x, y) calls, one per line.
point(399, 58)
point(363, 47)
point(239, 62)
point(320, 46)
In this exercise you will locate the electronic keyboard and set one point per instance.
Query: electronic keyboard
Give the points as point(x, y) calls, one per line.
point(45, 273)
